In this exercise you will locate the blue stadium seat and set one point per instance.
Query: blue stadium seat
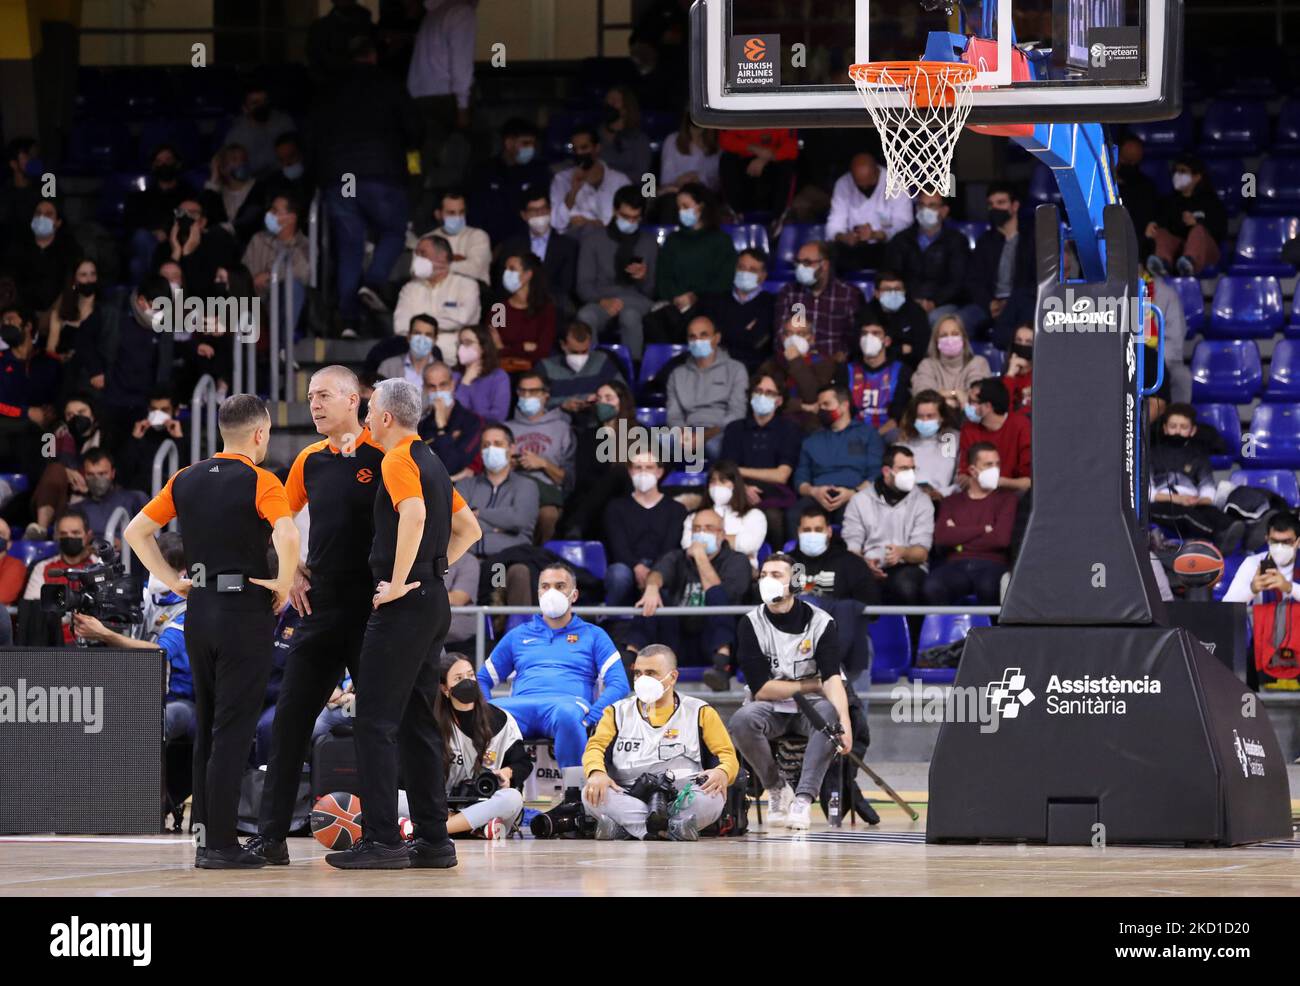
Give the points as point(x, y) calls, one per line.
point(1286, 136)
point(655, 357)
point(1280, 481)
point(891, 648)
point(1189, 293)
point(113, 193)
point(937, 630)
point(1284, 373)
point(652, 416)
point(773, 285)
point(30, 552)
point(1225, 175)
point(1234, 126)
point(1226, 421)
point(1166, 137)
point(680, 478)
point(793, 236)
point(1230, 565)
point(1157, 169)
point(659, 125)
point(1278, 188)
point(621, 356)
point(748, 236)
point(1227, 370)
point(1276, 430)
point(96, 147)
point(1259, 245)
point(864, 281)
point(763, 553)
point(1043, 188)
point(17, 481)
point(972, 230)
point(1245, 306)
point(212, 92)
point(991, 354)
point(581, 554)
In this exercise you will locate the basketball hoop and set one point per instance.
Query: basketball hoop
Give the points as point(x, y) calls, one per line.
point(919, 134)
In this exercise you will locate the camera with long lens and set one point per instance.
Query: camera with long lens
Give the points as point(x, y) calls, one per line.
point(658, 793)
point(104, 591)
point(569, 817)
point(475, 790)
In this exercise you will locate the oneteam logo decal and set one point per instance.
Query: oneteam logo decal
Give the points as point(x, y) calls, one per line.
point(1009, 695)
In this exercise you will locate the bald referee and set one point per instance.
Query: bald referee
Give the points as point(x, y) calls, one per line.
point(421, 526)
point(228, 508)
point(338, 477)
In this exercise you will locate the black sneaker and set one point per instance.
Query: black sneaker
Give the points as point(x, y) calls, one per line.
point(717, 679)
point(235, 857)
point(370, 298)
point(433, 855)
point(274, 851)
point(370, 855)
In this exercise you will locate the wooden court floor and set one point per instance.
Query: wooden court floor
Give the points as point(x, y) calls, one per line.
point(890, 859)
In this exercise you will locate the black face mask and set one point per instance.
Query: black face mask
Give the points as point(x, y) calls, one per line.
point(867, 190)
point(466, 691)
point(827, 418)
point(80, 425)
point(261, 114)
point(584, 161)
point(1177, 441)
point(166, 172)
point(87, 289)
point(612, 116)
point(12, 336)
point(71, 547)
point(999, 217)
point(1024, 352)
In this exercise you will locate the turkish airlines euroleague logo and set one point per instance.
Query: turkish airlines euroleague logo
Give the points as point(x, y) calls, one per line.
point(755, 61)
point(364, 475)
point(755, 50)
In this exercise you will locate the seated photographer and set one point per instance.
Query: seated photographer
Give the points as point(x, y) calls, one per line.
point(35, 627)
point(659, 763)
point(1266, 582)
point(558, 659)
point(482, 746)
point(785, 648)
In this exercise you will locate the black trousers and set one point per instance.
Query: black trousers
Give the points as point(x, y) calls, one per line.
point(327, 642)
point(229, 640)
point(394, 713)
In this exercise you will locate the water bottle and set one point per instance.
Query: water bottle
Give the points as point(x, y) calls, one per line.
point(833, 810)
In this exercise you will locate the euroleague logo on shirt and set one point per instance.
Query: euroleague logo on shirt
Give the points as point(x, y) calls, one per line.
point(365, 476)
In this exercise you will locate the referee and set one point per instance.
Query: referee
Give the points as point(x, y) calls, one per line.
point(421, 526)
point(338, 477)
point(228, 509)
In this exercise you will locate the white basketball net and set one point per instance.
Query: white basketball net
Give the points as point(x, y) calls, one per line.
point(920, 132)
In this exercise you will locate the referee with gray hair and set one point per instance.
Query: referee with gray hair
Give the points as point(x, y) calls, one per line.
point(228, 508)
point(421, 527)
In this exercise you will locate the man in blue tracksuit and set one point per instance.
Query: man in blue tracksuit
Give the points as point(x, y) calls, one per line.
point(559, 662)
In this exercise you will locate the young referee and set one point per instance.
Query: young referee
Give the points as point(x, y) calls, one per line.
point(421, 527)
point(338, 477)
point(228, 509)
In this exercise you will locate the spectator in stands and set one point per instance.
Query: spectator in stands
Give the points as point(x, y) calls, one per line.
point(1019, 375)
point(828, 303)
point(148, 434)
point(506, 505)
point(199, 248)
point(441, 74)
point(149, 212)
point(281, 236)
point(950, 365)
point(524, 326)
point(1136, 191)
point(544, 448)
point(20, 194)
point(863, 220)
point(600, 431)
point(764, 444)
point(697, 259)
point(13, 574)
point(708, 573)
point(104, 497)
point(77, 432)
point(43, 261)
point(744, 312)
point(743, 524)
point(625, 147)
point(879, 386)
point(830, 569)
point(481, 385)
point(616, 272)
point(452, 299)
point(74, 536)
point(1189, 222)
point(29, 390)
point(259, 126)
point(904, 321)
point(584, 195)
point(988, 420)
point(930, 428)
point(290, 179)
point(1001, 278)
point(931, 258)
point(757, 169)
point(363, 125)
point(331, 36)
point(470, 246)
point(658, 49)
point(890, 523)
point(1183, 486)
point(508, 184)
point(138, 366)
point(707, 391)
point(451, 429)
point(690, 156)
point(804, 369)
point(975, 525)
point(578, 370)
point(557, 252)
point(231, 181)
point(420, 354)
point(640, 528)
point(838, 460)
point(1258, 584)
point(462, 581)
point(82, 331)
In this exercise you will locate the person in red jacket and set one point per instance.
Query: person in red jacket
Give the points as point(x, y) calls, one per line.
point(989, 419)
point(975, 526)
point(757, 168)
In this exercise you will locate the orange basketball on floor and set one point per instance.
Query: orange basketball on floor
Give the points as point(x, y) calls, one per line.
point(336, 820)
point(1198, 563)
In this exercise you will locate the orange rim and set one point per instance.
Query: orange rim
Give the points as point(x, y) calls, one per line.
point(943, 79)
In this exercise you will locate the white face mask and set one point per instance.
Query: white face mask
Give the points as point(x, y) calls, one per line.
point(798, 343)
point(721, 495)
point(988, 478)
point(644, 482)
point(576, 361)
point(157, 587)
point(540, 225)
point(158, 418)
point(905, 480)
point(1282, 554)
point(553, 604)
point(1182, 180)
point(421, 267)
point(871, 346)
point(649, 690)
point(770, 589)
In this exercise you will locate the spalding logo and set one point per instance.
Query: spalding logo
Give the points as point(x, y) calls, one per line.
point(1081, 316)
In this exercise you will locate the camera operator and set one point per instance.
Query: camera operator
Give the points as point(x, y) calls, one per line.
point(787, 647)
point(73, 534)
point(644, 738)
point(483, 745)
